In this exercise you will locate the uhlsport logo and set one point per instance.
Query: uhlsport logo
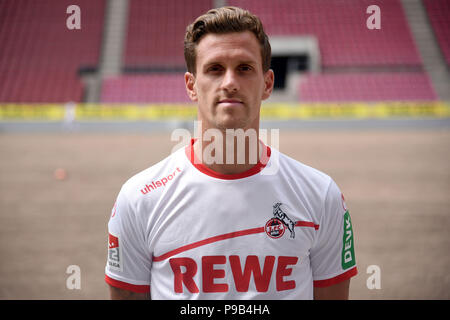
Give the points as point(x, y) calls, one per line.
point(276, 226)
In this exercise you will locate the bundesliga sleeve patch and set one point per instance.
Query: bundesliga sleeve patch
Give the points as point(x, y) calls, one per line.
point(114, 253)
point(348, 251)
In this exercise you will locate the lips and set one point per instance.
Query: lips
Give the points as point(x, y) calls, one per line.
point(230, 102)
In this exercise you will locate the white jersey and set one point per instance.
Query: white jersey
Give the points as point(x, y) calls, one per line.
point(182, 231)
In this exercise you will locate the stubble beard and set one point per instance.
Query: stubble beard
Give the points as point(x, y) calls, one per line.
point(233, 119)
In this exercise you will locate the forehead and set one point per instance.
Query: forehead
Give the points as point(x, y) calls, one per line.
point(236, 46)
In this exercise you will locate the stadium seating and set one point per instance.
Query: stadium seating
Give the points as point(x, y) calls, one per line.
point(39, 56)
point(153, 88)
point(439, 15)
point(368, 87)
point(340, 26)
point(40, 86)
point(156, 31)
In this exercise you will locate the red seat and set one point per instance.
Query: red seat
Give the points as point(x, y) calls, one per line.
point(154, 88)
point(371, 87)
point(340, 27)
point(39, 56)
point(439, 14)
point(156, 31)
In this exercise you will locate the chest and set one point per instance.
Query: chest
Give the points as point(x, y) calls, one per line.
point(232, 220)
point(231, 238)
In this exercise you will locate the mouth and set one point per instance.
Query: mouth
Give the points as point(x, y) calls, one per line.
point(230, 102)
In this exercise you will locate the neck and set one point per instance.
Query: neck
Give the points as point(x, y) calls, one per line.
point(230, 151)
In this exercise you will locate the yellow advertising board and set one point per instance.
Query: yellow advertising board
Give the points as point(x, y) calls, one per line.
point(273, 111)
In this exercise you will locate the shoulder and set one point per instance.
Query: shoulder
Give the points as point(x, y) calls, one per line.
point(317, 188)
point(155, 177)
point(303, 174)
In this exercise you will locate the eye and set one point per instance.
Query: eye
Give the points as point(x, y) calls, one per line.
point(245, 68)
point(214, 68)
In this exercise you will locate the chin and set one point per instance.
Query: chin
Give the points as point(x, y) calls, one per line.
point(232, 124)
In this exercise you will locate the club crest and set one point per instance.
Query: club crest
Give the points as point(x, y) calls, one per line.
point(277, 226)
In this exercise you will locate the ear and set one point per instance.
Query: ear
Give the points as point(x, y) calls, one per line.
point(269, 78)
point(189, 80)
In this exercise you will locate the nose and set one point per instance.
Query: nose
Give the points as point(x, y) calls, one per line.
point(230, 82)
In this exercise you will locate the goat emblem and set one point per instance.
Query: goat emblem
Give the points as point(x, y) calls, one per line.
point(284, 218)
point(276, 226)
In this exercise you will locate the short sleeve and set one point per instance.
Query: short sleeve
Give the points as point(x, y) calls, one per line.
point(333, 253)
point(128, 263)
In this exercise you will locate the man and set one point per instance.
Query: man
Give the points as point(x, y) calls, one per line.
point(195, 227)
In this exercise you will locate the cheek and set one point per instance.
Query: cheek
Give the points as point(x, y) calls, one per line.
point(205, 98)
point(202, 90)
point(258, 92)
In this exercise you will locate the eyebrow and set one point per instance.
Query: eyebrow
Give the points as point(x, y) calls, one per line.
point(249, 62)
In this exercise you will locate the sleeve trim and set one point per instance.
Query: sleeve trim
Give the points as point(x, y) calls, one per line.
point(335, 280)
point(127, 286)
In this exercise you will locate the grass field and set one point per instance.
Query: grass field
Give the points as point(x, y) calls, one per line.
point(396, 183)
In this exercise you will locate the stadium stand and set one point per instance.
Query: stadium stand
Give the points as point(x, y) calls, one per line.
point(367, 87)
point(39, 56)
point(155, 88)
point(154, 43)
point(346, 45)
point(156, 32)
point(41, 59)
point(439, 15)
point(340, 26)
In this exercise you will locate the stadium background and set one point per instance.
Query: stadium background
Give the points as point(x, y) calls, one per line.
point(370, 107)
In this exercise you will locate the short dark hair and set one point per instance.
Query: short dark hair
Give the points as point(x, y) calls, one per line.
point(225, 20)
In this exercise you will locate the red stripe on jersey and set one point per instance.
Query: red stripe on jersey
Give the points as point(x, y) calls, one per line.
point(225, 236)
point(307, 224)
point(342, 277)
point(127, 286)
point(208, 241)
point(204, 169)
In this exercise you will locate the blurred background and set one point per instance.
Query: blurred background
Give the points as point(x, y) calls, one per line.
point(90, 92)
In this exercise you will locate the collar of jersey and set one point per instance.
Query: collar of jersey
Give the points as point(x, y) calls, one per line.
point(204, 169)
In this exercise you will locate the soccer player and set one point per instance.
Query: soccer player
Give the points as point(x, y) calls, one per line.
point(257, 225)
